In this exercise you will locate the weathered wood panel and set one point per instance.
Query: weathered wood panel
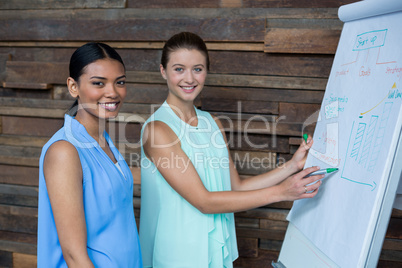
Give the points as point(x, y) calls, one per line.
point(223, 29)
point(146, 93)
point(317, 36)
point(257, 107)
point(320, 41)
point(274, 245)
point(270, 64)
point(248, 247)
point(4, 57)
point(253, 162)
point(261, 233)
point(259, 94)
point(255, 126)
point(174, 4)
point(38, 86)
point(225, 62)
point(35, 103)
point(24, 260)
point(57, 4)
point(394, 228)
point(237, 3)
point(298, 112)
point(25, 93)
point(247, 222)
point(294, 4)
point(273, 225)
point(32, 112)
point(24, 156)
point(238, 46)
point(28, 176)
point(264, 213)
point(18, 222)
point(266, 81)
point(56, 73)
point(13, 125)
point(18, 242)
point(174, 13)
point(264, 259)
point(6, 259)
point(255, 142)
point(37, 72)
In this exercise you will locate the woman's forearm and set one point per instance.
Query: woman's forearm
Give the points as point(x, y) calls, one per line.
point(292, 188)
point(267, 179)
point(234, 201)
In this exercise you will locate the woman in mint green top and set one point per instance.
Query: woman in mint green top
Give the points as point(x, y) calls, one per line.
point(173, 229)
point(189, 184)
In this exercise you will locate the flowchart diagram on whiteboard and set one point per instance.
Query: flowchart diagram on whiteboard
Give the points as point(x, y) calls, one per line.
point(356, 127)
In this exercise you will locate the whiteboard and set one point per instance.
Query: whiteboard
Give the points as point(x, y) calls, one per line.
point(358, 131)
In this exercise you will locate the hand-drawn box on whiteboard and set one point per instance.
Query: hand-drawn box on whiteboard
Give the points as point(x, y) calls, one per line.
point(370, 40)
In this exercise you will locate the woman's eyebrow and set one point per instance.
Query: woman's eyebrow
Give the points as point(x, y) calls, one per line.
point(97, 77)
point(100, 77)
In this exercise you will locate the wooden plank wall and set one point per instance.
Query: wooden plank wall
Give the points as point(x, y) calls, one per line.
point(270, 61)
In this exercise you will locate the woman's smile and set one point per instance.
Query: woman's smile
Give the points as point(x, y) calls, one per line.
point(188, 89)
point(110, 106)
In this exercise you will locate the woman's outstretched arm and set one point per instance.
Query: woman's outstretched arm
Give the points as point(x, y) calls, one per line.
point(161, 145)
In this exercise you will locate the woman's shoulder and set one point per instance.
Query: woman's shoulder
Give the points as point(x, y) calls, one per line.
point(159, 133)
point(61, 151)
point(210, 117)
point(58, 147)
point(60, 159)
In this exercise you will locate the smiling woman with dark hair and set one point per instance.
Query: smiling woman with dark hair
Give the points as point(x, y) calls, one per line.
point(86, 216)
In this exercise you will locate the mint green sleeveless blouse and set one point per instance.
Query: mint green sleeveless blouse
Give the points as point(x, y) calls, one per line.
point(173, 233)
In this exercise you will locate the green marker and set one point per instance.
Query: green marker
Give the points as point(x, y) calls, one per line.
point(323, 171)
point(305, 137)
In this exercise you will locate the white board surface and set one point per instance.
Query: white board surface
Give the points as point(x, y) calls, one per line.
point(358, 131)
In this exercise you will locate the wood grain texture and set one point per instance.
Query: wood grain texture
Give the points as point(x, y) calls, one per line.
point(4, 57)
point(229, 59)
point(56, 73)
point(18, 242)
point(6, 259)
point(38, 86)
point(321, 41)
point(134, 29)
point(13, 125)
point(299, 112)
point(18, 175)
point(24, 260)
point(294, 4)
point(248, 247)
point(264, 259)
point(57, 4)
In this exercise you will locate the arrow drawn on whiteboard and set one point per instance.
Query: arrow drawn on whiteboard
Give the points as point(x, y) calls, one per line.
point(389, 93)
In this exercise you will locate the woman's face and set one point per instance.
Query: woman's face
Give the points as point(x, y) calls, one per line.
point(101, 89)
point(185, 74)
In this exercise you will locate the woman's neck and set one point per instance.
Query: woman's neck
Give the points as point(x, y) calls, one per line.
point(94, 126)
point(184, 110)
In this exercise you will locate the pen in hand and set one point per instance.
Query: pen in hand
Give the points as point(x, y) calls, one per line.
point(305, 137)
point(323, 171)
